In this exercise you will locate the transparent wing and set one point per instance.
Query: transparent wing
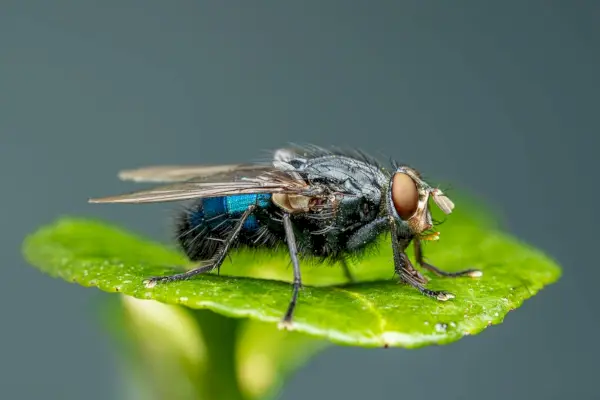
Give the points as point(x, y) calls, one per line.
point(181, 173)
point(204, 173)
point(258, 181)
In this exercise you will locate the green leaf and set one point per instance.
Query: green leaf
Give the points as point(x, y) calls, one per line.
point(378, 311)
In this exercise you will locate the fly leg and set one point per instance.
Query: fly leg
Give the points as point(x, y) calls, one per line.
point(406, 272)
point(362, 237)
point(404, 268)
point(474, 273)
point(216, 263)
point(291, 241)
point(347, 271)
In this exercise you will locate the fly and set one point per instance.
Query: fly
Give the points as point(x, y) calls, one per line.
point(332, 205)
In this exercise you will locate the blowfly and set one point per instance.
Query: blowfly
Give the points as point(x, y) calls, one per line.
point(327, 204)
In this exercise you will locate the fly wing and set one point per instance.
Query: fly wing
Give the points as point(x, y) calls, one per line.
point(265, 180)
point(204, 173)
point(182, 173)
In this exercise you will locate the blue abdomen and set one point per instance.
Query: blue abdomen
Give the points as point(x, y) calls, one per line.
point(202, 228)
point(216, 210)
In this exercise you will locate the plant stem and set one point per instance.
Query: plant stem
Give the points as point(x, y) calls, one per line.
point(220, 378)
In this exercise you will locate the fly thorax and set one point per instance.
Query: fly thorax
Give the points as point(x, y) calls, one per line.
point(355, 210)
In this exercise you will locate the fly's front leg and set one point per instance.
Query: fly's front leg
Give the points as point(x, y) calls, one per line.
point(291, 241)
point(362, 237)
point(474, 273)
point(217, 261)
point(367, 234)
point(404, 268)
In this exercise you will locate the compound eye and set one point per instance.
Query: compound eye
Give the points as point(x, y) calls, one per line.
point(404, 195)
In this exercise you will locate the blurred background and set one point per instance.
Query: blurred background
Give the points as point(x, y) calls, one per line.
point(499, 98)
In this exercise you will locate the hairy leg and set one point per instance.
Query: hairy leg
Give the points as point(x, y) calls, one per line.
point(216, 263)
point(406, 271)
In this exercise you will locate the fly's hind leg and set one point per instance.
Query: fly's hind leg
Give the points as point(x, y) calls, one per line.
point(217, 261)
point(151, 282)
point(474, 273)
point(286, 323)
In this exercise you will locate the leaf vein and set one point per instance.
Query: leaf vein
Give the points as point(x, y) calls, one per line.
point(372, 308)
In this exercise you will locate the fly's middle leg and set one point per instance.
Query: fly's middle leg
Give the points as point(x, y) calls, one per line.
point(297, 285)
point(216, 262)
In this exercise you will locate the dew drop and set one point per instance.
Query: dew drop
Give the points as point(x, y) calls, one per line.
point(426, 322)
point(440, 327)
point(453, 324)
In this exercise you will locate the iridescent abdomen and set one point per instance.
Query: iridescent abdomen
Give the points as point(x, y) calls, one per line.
point(206, 224)
point(216, 209)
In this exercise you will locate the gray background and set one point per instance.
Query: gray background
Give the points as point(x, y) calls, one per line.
point(500, 98)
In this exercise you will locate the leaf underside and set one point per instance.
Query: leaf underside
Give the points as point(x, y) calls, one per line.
point(378, 311)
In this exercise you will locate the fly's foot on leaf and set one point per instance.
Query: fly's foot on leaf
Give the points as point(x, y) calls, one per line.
point(473, 273)
point(444, 296)
point(439, 295)
point(286, 324)
point(152, 282)
point(149, 283)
